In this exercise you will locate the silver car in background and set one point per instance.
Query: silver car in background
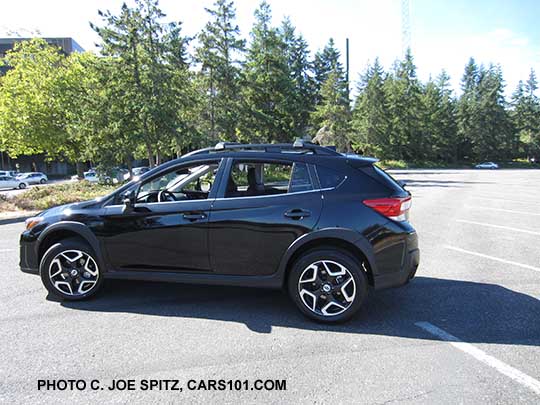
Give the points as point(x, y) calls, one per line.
point(487, 165)
point(12, 182)
point(33, 177)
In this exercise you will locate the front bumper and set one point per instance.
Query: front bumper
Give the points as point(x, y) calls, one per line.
point(28, 256)
point(410, 262)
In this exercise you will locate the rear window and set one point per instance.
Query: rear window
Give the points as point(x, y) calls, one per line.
point(386, 176)
point(329, 178)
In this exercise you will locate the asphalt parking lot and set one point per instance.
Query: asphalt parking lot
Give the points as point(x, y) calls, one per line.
point(466, 330)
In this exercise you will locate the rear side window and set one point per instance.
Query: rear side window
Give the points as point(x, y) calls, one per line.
point(248, 179)
point(329, 178)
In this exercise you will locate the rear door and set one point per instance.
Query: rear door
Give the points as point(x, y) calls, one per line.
point(263, 206)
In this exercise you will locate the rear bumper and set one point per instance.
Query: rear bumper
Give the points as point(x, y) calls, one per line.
point(410, 262)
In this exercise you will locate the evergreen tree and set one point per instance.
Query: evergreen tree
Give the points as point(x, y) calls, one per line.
point(297, 53)
point(267, 89)
point(467, 110)
point(495, 138)
point(526, 116)
point(333, 113)
point(325, 62)
point(440, 119)
point(152, 76)
point(219, 54)
point(403, 92)
point(370, 118)
point(484, 129)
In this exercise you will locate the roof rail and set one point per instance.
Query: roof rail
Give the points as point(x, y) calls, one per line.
point(298, 146)
point(224, 145)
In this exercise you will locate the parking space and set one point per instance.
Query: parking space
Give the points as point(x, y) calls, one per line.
point(466, 330)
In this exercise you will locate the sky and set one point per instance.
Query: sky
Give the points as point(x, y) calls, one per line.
point(444, 34)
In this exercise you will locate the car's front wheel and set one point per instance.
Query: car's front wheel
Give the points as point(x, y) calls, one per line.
point(328, 285)
point(43, 181)
point(22, 186)
point(69, 270)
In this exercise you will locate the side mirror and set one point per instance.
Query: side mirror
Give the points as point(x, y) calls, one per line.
point(402, 183)
point(129, 200)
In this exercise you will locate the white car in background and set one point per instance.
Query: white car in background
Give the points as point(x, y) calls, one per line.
point(9, 173)
point(33, 177)
point(12, 182)
point(91, 176)
point(137, 171)
point(487, 165)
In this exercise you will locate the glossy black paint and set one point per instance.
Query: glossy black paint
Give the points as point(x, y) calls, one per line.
point(167, 236)
point(249, 235)
point(237, 241)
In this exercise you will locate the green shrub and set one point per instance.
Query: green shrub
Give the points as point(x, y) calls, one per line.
point(43, 197)
point(393, 164)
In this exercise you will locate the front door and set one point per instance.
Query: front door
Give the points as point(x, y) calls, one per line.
point(167, 228)
point(264, 206)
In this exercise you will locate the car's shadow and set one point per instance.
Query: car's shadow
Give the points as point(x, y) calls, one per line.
point(440, 183)
point(474, 312)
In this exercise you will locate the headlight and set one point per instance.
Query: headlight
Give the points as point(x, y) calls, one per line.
point(31, 222)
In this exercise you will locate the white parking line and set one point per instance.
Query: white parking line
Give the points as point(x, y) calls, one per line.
point(502, 210)
point(480, 355)
point(508, 228)
point(497, 259)
point(504, 199)
point(7, 250)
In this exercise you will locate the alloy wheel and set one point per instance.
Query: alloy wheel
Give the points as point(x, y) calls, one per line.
point(327, 288)
point(73, 272)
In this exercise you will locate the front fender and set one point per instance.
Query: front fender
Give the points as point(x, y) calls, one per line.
point(74, 227)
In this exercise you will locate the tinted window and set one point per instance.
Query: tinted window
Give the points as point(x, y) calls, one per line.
point(179, 184)
point(329, 178)
point(387, 177)
point(248, 179)
point(300, 180)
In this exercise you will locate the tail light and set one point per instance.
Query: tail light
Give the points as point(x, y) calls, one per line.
point(393, 208)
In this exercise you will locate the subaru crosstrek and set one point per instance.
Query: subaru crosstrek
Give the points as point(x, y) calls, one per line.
point(326, 226)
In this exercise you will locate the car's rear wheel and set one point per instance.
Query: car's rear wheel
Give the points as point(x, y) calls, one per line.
point(69, 270)
point(22, 186)
point(328, 285)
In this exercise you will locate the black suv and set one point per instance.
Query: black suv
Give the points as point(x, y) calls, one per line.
point(322, 224)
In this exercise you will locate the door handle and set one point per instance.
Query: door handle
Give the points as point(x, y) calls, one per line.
point(297, 213)
point(194, 217)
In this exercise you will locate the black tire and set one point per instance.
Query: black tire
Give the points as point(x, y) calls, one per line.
point(68, 246)
point(43, 181)
point(339, 257)
point(22, 186)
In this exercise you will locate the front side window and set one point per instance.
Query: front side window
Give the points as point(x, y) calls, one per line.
point(250, 179)
point(180, 184)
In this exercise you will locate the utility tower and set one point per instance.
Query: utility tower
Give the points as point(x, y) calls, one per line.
point(405, 26)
